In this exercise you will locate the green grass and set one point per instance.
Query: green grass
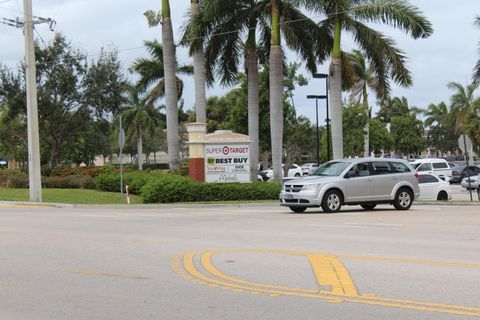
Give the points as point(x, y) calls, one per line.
point(69, 196)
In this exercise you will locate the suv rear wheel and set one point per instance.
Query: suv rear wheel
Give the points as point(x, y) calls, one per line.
point(332, 201)
point(298, 209)
point(403, 199)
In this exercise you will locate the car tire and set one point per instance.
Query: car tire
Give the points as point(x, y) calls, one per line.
point(368, 206)
point(332, 201)
point(403, 199)
point(298, 209)
point(297, 174)
point(442, 196)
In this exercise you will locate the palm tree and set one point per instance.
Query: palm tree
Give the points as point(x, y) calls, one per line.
point(171, 91)
point(461, 102)
point(364, 78)
point(351, 16)
point(138, 116)
point(393, 107)
point(231, 29)
point(196, 51)
point(152, 73)
point(476, 71)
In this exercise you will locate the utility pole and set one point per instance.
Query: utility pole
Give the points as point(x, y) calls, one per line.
point(34, 169)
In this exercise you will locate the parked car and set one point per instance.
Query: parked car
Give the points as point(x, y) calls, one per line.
point(471, 183)
point(308, 168)
point(361, 181)
point(460, 172)
point(293, 171)
point(436, 166)
point(433, 187)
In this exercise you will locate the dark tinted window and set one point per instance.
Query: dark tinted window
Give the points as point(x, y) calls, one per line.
point(440, 165)
point(426, 178)
point(427, 166)
point(380, 167)
point(398, 167)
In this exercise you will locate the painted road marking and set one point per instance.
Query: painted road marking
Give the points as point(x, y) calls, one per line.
point(109, 275)
point(328, 270)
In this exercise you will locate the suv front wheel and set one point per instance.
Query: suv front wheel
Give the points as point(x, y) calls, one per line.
point(332, 201)
point(403, 199)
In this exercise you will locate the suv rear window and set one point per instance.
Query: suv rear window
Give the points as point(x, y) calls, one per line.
point(380, 167)
point(440, 165)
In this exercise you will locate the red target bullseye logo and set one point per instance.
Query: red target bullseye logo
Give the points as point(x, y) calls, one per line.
point(226, 150)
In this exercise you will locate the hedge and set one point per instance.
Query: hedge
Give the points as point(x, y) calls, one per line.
point(160, 187)
point(69, 182)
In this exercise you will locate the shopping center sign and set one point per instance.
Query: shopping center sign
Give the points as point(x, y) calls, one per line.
point(227, 162)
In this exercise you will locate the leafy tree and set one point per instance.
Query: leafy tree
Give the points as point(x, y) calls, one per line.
point(354, 121)
point(352, 16)
point(380, 139)
point(72, 97)
point(440, 126)
point(407, 134)
point(393, 107)
point(461, 103)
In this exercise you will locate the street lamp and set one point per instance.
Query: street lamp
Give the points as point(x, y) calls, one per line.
point(316, 97)
point(325, 76)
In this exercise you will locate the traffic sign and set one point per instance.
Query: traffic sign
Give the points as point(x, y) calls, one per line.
point(121, 139)
point(465, 141)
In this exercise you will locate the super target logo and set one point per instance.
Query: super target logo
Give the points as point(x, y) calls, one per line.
point(226, 150)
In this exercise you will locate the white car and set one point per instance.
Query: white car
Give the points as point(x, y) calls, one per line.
point(433, 187)
point(308, 168)
point(436, 166)
point(473, 184)
point(293, 171)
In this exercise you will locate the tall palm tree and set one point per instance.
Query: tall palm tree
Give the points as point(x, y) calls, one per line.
point(461, 102)
point(364, 78)
point(239, 31)
point(393, 107)
point(152, 73)
point(351, 16)
point(476, 71)
point(196, 51)
point(171, 92)
point(139, 116)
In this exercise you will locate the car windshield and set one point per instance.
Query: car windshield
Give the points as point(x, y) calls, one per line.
point(331, 168)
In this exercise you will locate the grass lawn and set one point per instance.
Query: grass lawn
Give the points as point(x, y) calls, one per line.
point(69, 196)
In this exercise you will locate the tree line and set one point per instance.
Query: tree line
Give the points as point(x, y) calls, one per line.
point(239, 43)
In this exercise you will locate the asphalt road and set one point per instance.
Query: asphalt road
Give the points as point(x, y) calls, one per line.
point(239, 262)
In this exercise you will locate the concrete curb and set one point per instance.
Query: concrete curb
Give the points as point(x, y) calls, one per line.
point(35, 204)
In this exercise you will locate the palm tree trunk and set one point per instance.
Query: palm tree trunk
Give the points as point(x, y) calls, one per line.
point(366, 152)
point(170, 86)
point(276, 94)
point(336, 94)
point(253, 104)
point(140, 148)
point(199, 74)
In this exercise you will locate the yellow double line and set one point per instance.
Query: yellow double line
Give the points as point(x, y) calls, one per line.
point(328, 270)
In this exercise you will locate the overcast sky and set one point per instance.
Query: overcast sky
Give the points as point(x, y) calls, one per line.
point(449, 55)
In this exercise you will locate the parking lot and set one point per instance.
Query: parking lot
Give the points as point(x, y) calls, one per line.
point(461, 194)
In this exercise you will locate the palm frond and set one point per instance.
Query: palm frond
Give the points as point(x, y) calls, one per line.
point(397, 13)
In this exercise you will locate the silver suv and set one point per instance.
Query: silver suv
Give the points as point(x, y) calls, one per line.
point(362, 181)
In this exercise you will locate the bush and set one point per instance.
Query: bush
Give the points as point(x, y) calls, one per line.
point(14, 181)
point(68, 182)
point(64, 171)
point(134, 180)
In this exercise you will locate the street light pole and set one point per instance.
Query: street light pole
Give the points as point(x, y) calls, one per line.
point(325, 76)
point(316, 97)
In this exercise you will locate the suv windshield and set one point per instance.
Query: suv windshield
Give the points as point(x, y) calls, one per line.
point(331, 169)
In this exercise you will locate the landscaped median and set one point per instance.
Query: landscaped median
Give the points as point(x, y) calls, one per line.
point(95, 187)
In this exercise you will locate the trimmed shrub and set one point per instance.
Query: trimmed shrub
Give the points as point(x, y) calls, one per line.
point(134, 180)
point(68, 182)
point(64, 171)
